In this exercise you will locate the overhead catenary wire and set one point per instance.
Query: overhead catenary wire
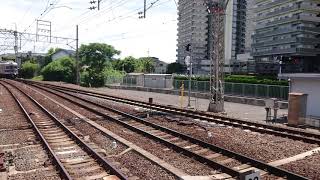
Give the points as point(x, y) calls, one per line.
point(45, 11)
point(115, 5)
point(130, 14)
point(91, 15)
point(175, 3)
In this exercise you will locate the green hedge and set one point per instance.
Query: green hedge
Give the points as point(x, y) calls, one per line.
point(268, 80)
point(62, 69)
point(28, 69)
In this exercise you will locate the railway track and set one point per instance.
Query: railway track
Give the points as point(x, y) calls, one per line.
point(22, 156)
point(72, 157)
point(228, 162)
point(291, 133)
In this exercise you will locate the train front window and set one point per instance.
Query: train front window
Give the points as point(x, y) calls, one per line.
point(10, 67)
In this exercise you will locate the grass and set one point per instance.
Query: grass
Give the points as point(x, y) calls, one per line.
point(38, 78)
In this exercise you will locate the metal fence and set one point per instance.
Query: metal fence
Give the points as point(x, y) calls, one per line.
point(114, 80)
point(128, 81)
point(236, 89)
point(239, 89)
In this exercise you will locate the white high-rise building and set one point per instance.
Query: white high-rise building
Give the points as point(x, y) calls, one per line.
point(193, 29)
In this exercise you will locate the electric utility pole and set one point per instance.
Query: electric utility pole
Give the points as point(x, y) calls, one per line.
point(93, 2)
point(77, 56)
point(144, 8)
point(142, 14)
point(216, 10)
point(18, 61)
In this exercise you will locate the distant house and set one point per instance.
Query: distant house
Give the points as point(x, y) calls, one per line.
point(62, 53)
point(160, 67)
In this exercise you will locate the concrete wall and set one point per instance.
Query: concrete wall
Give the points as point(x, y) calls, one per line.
point(312, 88)
point(158, 81)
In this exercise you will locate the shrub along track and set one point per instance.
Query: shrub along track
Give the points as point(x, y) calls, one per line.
point(202, 151)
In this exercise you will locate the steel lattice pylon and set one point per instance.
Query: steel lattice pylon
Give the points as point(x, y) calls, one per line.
point(12, 40)
point(216, 9)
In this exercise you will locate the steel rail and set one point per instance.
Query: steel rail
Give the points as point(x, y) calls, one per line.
point(103, 162)
point(63, 172)
point(179, 149)
point(253, 126)
point(255, 163)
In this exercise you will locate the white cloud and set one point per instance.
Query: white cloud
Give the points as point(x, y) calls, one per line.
point(133, 36)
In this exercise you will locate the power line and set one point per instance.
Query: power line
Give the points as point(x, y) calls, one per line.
point(175, 3)
point(139, 35)
point(86, 18)
point(121, 3)
point(130, 14)
point(46, 10)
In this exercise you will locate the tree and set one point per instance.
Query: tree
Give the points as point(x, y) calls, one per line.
point(147, 65)
point(96, 56)
point(62, 69)
point(28, 69)
point(128, 64)
point(48, 57)
point(176, 68)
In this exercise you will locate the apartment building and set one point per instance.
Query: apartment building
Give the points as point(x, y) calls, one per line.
point(287, 33)
point(193, 29)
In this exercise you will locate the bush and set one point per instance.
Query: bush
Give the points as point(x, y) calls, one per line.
point(28, 69)
point(62, 69)
point(92, 79)
point(268, 80)
point(112, 75)
point(38, 78)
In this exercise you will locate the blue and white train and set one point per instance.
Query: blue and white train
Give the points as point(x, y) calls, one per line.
point(8, 69)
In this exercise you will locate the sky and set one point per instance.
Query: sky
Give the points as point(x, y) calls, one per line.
point(116, 23)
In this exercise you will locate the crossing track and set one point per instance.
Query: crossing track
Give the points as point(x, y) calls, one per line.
point(209, 154)
point(292, 133)
point(72, 157)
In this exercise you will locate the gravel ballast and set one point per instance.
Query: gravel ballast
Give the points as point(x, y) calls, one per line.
point(96, 137)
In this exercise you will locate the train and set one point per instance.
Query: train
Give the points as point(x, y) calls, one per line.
point(8, 69)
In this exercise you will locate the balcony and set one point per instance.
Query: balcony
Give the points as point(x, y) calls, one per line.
point(287, 31)
point(270, 5)
point(311, 29)
point(309, 18)
point(290, 19)
point(292, 8)
point(294, 51)
point(301, 40)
